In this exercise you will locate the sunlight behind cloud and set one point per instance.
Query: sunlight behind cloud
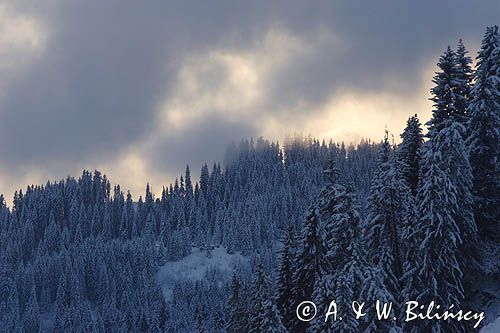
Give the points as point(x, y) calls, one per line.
point(22, 39)
point(234, 83)
point(350, 115)
point(231, 82)
point(133, 171)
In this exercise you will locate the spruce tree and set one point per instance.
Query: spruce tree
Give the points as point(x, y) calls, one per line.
point(204, 179)
point(411, 280)
point(484, 149)
point(375, 289)
point(464, 76)
point(388, 205)
point(455, 161)
point(451, 92)
point(260, 295)
point(237, 320)
point(342, 278)
point(341, 221)
point(284, 282)
point(62, 318)
point(31, 316)
point(440, 267)
point(264, 316)
point(409, 152)
point(9, 303)
point(271, 320)
point(310, 263)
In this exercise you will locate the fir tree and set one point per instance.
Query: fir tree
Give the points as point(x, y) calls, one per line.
point(375, 289)
point(9, 304)
point(204, 180)
point(284, 282)
point(342, 279)
point(455, 161)
point(310, 263)
point(440, 267)
point(409, 152)
point(264, 316)
point(237, 320)
point(189, 184)
point(484, 149)
point(411, 280)
point(271, 319)
point(31, 316)
point(388, 209)
point(464, 76)
point(260, 294)
point(451, 90)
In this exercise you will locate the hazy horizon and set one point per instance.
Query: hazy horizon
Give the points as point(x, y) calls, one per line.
point(138, 91)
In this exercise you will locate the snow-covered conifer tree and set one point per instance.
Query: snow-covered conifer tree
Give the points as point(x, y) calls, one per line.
point(464, 76)
point(310, 264)
point(31, 315)
point(260, 295)
point(484, 149)
point(388, 205)
point(264, 316)
point(455, 161)
point(440, 267)
point(284, 282)
point(409, 152)
point(342, 278)
point(271, 319)
point(443, 93)
point(236, 311)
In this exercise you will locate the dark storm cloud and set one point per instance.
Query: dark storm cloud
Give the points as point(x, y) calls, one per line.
point(388, 44)
point(108, 65)
point(104, 71)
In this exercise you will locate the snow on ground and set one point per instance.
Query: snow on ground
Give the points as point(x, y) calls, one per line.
point(487, 298)
point(493, 327)
point(194, 267)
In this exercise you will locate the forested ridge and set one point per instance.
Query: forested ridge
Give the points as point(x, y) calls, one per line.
point(318, 220)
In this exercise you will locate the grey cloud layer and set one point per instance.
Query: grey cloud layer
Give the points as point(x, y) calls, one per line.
point(107, 67)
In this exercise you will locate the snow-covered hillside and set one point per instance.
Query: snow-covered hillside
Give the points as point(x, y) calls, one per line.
point(195, 266)
point(493, 327)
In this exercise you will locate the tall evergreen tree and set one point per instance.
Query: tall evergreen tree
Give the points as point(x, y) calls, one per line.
point(271, 320)
point(284, 282)
point(260, 293)
point(440, 237)
point(237, 319)
point(204, 179)
point(451, 91)
point(310, 263)
point(409, 152)
point(388, 207)
point(464, 76)
point(343, 277)
point(9, 304)
point(455, 161)
point(31, 316)
point(484, 149)
point(264, 316)
point(411, 279)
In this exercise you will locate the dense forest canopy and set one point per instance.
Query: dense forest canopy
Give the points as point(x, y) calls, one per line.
point(372, 221)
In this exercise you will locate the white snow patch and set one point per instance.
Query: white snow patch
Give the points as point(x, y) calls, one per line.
point(493, 327)
point(194, 267)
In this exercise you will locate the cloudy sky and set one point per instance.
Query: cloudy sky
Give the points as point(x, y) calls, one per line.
point(139, 89)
